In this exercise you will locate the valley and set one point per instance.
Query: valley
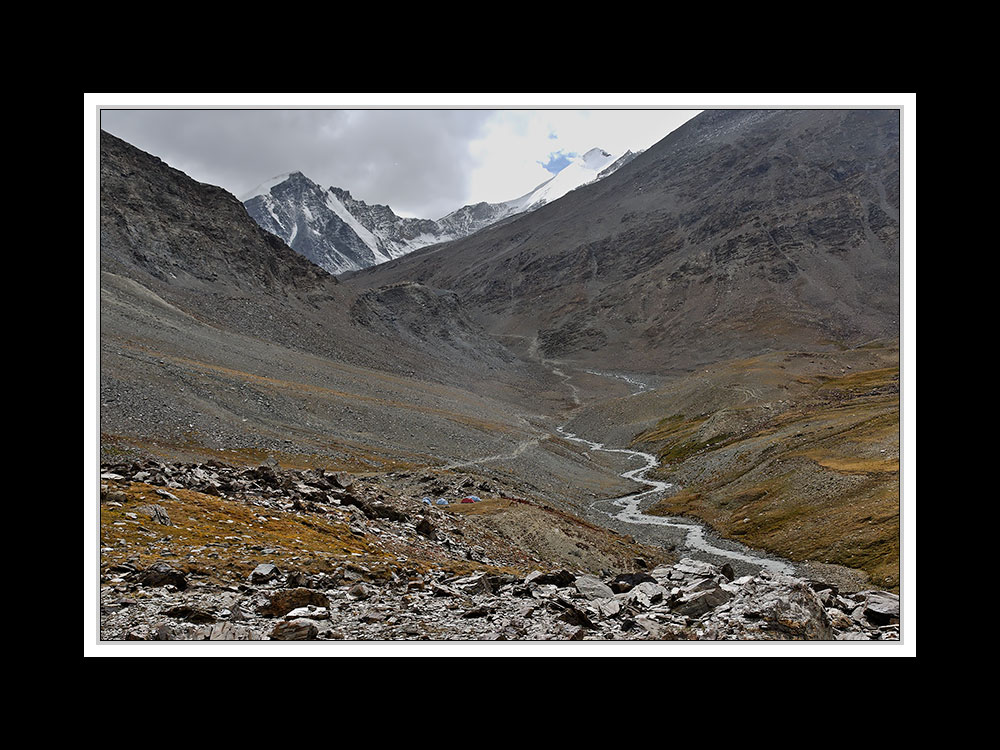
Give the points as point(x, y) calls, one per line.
point(673, 395)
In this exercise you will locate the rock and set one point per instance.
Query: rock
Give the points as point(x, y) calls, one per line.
point(481, 611)
point(882, 607)
point(359, 591)
point(627, 581)
point(295, 630)
point(310, 612)
point(161, 632)
point(573, 614)
point(560, 578)
point(696, 568)
point(426, 528)
point(162, 574)
point(608, 607)
point(728, 572)
point(839, 619)
point(660, 631)
point(224, 631)
point(264, 573)
point(297, 579)
point(279, 602)
point(592, 588)
point(190, 614)
point(442, 590)
point(771, 608)
point(695, 604)
point(168, 495)
point(475, 584)
point(155, 512)
point(646, 594)
point(819, 586)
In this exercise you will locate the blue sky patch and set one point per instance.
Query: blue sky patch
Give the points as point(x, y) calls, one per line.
point(558, 160)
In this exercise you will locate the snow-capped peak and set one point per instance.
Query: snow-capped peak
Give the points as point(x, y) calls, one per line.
point(265, 187)
point(580, 171)
point(340, 233)
point(597, 159)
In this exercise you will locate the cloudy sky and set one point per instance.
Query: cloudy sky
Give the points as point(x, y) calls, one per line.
point(421, 161)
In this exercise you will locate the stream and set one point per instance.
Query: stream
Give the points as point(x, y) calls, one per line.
point(629, 511)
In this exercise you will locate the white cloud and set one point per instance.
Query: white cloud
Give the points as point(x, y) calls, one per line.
point(514, 143)
point(421, 162)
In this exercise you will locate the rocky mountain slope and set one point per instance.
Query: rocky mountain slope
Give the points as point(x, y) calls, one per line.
point(331, 228)
point(739, 232)
point(339, 233)
point(219, 341)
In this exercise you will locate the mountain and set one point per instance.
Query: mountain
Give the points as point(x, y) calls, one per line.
point(745, 272)
point(721, 312)
point(331, 228)
point(340, 234)
point(163, 228)
point(218, 340)
point(582, 170)
point(739, 232)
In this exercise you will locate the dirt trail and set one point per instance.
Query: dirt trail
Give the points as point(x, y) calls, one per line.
point(516, 453)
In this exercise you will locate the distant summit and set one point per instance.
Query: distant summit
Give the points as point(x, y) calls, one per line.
point(341, 234)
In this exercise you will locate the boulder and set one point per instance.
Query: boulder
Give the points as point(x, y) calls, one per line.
point(771, 608)
point(627, 581)
point(646, 594)
point(696, 568)
point(426, 528)
point(593, 588)
point(155, 512)
point(560, 578)
point(264, 573)
point(190, 614)
point(162, 574)
point(882, 607)
point(279, 602)
point(310, 612)
point(295, 630)
point(695, 604)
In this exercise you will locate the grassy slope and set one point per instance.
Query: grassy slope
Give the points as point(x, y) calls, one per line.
point(221, 540)
point(814, 477)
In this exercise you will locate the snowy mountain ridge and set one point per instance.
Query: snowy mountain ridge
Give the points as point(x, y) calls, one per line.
point(340, 233)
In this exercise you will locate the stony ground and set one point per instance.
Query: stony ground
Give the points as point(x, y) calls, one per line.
point(220, 552)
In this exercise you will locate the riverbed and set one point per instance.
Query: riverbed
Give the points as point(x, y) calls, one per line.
point(625, 513)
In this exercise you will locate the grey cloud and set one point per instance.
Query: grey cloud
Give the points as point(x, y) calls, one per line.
point(417, 161)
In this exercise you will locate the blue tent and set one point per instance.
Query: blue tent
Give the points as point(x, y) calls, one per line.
point(426, 501)
point(442, 501)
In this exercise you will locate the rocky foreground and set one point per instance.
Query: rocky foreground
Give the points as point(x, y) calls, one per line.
point(213, 552)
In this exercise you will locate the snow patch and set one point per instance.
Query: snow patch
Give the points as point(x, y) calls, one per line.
point(334, 204)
